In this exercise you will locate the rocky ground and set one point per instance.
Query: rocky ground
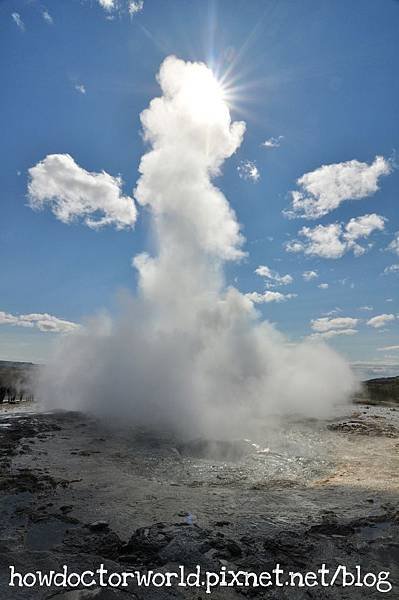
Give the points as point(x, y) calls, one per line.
point(78, 492)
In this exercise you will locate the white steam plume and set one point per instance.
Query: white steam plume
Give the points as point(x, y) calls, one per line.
point(187, 352)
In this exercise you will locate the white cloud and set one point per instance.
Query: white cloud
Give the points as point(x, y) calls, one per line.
point(16, 17)
point(325, 324)
point(366, 308)
point(323, 286)
point(335, 311)
point(79, 87)
point(361, 227)
point(309, 275)
point(323, 190)
point(335, 240)
point(248, 170)
point(72, 193)
point(391, 269)
point(333, 333)
point(132, 6)
point(378, 368)
point(42, 321)
point(388, 349)
point(47, 17)
point(135, 6)
point(107, 4)
point(268, 296)
point(294, 246)
point(394, 245)
point(322, 240)
point(273, 278)
point(380, 320)
point(273, 142)
point(326, 328)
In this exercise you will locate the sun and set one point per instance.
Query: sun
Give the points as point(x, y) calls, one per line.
point(207, 96)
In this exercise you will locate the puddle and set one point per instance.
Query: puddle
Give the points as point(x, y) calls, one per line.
point(375, 531)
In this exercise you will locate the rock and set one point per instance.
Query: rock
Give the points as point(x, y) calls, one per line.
point(102, 543)
point(97, 525)
point(368, 426)
point(146, 543)
point(179, 543)
point(331, 528)
point(184, 549)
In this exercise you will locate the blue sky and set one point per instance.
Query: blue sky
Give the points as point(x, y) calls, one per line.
point(322, 75)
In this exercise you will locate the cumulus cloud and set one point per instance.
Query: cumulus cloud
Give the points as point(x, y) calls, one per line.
point(322, 240)
point(273, 142)
point(326, 327)
point(266, 297)
point(42, 321)
point(73, 193)
point(335, 240)
point(391, 269)
point(362, 227)
point(273, 278)
point(323, 190)
point(309, 275)
point(394, 245)
point(16, 17)
point(380, 320)
point(188, 352)
point(323, 286)
point(324, 324)
point(248, 170)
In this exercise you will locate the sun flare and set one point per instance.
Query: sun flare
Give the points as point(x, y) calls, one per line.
point(207, 96)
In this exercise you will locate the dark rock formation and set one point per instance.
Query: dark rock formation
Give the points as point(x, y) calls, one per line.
point(383, 390)
point(16, 381)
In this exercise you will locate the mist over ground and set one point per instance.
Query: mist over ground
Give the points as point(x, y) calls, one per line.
point(188, 352)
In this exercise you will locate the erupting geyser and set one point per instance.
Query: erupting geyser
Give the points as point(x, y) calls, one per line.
point(187, 352)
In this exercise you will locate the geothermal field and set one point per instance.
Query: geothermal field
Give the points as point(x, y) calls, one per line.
point(79, 491)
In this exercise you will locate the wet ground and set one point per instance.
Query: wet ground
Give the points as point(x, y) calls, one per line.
point(300, 493)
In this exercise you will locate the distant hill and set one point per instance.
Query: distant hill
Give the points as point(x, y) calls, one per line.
point(382, 390)
point(17, 364)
